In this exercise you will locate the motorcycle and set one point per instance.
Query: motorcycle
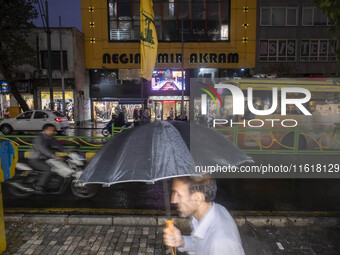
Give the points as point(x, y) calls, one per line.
point(107, 130)
point(65, 174)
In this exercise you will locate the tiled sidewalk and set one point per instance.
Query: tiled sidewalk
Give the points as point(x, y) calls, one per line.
point(46, 239)
point(55, 239)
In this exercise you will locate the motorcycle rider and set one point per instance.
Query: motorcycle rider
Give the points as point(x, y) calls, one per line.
point(42, 150)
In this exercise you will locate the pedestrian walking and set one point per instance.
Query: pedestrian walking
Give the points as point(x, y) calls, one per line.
point(214, 231)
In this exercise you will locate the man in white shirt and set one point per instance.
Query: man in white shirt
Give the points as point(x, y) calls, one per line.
point(214, 231)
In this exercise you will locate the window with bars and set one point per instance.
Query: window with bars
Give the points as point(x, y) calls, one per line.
point(203, 20)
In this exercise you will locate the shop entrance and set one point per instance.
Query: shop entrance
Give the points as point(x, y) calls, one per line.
point(158, 110)
point(169, 110)
point(161, 107)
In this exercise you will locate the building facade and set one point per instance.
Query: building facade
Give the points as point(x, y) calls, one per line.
point(219, 41)
point(32, 81)
point(292, 40)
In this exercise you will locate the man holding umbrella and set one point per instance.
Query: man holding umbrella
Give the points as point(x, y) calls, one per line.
point(214, 230)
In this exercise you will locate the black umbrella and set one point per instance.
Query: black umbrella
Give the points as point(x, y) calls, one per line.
point(158, 151)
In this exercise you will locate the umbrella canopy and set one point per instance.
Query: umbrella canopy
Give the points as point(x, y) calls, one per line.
point(160, 150)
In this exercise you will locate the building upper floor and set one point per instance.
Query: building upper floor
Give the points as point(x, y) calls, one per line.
point(72, 48)
point(216, 33)
point(203, 20)
point(290, 14)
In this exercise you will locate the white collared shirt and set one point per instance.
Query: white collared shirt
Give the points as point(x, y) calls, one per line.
point(216, 234)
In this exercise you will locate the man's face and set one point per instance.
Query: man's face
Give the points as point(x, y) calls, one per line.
point(51, 131)
point(184, 201)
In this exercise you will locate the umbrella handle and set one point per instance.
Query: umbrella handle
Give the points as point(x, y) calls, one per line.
point(169, 225)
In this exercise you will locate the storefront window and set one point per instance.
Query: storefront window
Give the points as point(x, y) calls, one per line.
point(58, 102)
point(5, 102)
point(29, 101)
point(103, 110)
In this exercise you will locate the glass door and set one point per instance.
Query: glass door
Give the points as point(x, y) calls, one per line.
point(169, 110)
point(158, 110)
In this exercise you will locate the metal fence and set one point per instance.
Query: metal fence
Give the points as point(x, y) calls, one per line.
point(301, 141)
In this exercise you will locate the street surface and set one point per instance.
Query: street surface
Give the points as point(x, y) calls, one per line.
point(48, 239)
point(235, 194)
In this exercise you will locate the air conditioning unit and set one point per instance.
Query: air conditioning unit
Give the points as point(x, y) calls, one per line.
point(42, 72)
point(24, 75)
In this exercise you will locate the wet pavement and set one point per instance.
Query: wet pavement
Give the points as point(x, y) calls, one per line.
point(235, 194)
point(33, 238)
point(89, 129)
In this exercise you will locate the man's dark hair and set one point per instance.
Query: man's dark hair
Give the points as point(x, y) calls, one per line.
point(48, 126)
point(206, 185)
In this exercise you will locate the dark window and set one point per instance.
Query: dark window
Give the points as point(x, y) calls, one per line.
point(265, 16)
point(58, 114)
point(124, 9)
point(291, 17)
point(279, 16)
point(202, 20)
point(307, 14)
point(40, 115)
point(103, 76)
point(55, 60)
point(198, 10)
point(25, 115)
point(319, 18)
point(313, 16)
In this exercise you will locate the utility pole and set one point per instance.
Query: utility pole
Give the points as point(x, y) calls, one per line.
point(62, 67)
point(49, 55)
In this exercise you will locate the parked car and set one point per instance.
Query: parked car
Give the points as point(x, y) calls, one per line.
point(34, 120)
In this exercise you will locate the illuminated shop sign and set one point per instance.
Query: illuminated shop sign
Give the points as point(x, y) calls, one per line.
point(165, 58)
point(167, 80)
point(176, 98)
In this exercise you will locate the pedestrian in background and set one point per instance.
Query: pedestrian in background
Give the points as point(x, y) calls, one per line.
point(171, 114)
point(136, 117)
point(146, 116)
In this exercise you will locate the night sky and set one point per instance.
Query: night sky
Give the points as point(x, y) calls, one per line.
point(69, 10)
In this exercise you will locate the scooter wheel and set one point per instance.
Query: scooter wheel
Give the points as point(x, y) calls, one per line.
point(86, 191)
point(106, 132)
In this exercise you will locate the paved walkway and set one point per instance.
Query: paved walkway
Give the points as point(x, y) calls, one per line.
point(66, 239)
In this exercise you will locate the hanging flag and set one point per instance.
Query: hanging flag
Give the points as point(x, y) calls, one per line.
point(148, 39)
